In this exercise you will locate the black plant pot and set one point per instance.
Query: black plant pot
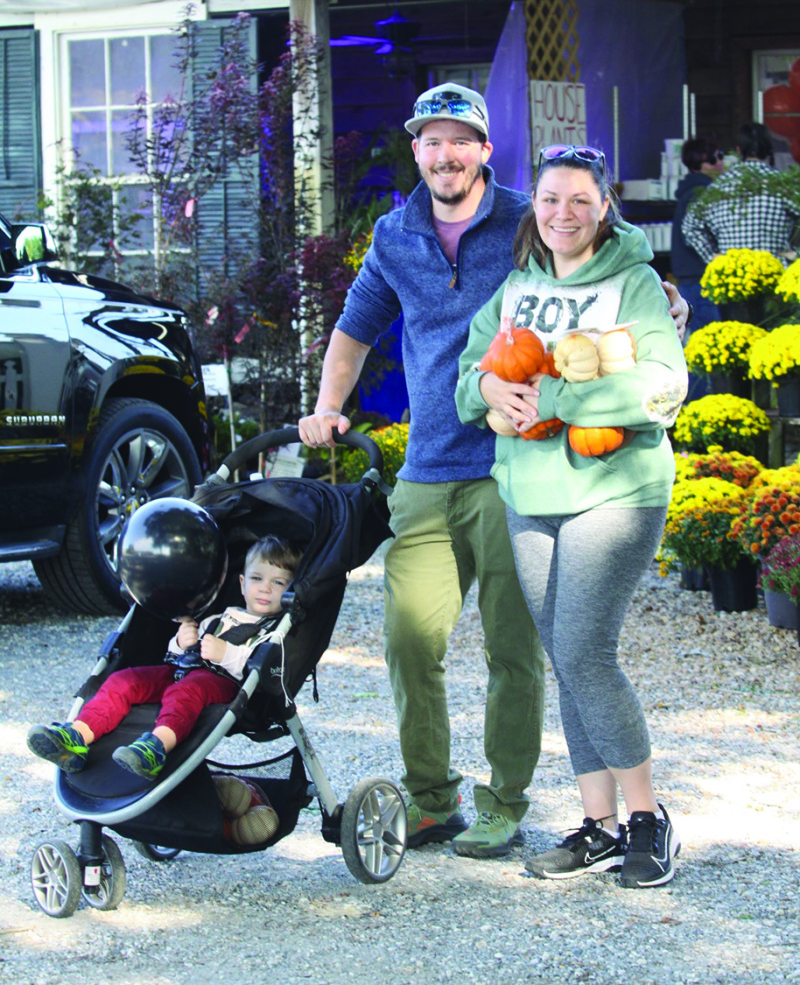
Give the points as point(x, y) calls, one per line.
point(789, 397)
point(734, 590)
point(694, 579)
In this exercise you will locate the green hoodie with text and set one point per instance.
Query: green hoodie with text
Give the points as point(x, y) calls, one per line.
point(616, 286)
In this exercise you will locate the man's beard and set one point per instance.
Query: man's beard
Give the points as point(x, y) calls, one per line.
point(454, 197)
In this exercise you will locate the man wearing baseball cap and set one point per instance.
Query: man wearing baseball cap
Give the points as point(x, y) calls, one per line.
point(437, 260)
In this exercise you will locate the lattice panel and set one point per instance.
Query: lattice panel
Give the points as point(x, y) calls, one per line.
point(551, 34)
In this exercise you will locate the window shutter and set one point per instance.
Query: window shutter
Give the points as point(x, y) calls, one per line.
point(21, 178)
point(225, 214)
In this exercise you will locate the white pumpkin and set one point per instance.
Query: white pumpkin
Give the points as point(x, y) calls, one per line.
point(499, 423)
point(616, 351)
point(234, 794)
point(576, 359)
point(255, 826)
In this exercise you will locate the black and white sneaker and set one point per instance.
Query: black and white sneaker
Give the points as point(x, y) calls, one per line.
point(589, 849)
point(653, 844)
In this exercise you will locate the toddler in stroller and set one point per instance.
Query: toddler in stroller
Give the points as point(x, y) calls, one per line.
point(204, 665)
point(337, 528)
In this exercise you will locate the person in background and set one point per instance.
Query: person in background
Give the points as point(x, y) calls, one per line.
point(437, 260)
point(742, 210)
point(704, 161)
point(585, 529)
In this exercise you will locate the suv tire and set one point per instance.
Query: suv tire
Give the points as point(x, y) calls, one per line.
point(140, 452)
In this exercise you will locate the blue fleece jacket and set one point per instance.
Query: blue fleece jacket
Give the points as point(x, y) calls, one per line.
point(405, 269)
point(686, 262)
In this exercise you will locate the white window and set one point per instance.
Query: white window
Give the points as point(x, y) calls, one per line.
point(103, 79)
point(474, 75)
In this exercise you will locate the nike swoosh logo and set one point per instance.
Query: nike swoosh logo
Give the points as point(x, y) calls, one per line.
point(596, 858)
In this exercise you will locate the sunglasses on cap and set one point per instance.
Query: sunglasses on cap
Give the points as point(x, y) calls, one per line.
point(715, 156)
point(565, 152)
point(449, 102)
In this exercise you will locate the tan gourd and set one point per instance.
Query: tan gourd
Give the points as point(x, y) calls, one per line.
point(576, 359)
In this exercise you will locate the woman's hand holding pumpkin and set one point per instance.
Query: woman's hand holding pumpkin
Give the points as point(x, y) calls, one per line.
point(516, 402)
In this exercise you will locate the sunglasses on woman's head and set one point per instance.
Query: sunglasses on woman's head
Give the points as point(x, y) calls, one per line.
point(717, 155)
point(565, 152)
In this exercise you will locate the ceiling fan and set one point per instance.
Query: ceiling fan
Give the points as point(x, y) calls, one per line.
point(395, 32)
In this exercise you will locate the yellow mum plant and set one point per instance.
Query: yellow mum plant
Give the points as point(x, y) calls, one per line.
point(392, 441)
point(722, 347)
point(741, 274)
point(699, 521)
point(354, 258)
point(777, 354)
point(789, 284)
point(720, 419)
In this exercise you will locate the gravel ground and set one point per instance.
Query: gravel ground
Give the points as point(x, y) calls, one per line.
point(720, 692)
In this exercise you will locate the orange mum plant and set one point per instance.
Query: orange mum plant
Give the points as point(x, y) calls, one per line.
point(770, 512)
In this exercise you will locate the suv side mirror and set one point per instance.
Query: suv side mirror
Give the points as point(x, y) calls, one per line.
point(32, 243)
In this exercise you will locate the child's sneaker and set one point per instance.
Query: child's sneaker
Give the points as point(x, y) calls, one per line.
point(653, 845)
point(426, 827)
point(59, 744)
point(589, 849)
point(144, 757)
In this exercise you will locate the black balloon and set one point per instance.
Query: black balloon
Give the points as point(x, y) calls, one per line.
point(172, 557)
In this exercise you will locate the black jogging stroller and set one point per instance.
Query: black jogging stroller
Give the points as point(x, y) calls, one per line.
point(338, 527)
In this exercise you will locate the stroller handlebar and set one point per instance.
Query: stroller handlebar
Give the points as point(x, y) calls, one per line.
point(291, 435)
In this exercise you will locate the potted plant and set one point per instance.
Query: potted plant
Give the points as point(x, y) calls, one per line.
point(740, 281)
point(698, 534)
point(788, 286)
point(721, 351)
point(732, 466)
point(776, 357)
point(780, 579)
point(392, 441)
point(734, 423)
point(769, 512)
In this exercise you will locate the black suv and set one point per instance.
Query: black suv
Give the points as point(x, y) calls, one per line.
point(102, 408)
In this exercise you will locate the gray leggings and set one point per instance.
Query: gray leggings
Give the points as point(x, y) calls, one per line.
point(579, 574)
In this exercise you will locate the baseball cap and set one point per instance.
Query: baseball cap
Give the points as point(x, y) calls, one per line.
point(450, 101)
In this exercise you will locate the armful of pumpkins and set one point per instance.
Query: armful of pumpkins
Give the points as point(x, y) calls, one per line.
point(516, 354)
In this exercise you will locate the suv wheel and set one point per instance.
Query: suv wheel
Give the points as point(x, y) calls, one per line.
point(140, 452)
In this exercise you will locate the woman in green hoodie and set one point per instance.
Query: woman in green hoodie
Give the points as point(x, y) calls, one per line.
point(585, 529)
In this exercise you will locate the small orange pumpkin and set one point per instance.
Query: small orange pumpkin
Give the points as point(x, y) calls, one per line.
point(549, 365)
point(514, 355)
point(595, 441)
point(542, 430)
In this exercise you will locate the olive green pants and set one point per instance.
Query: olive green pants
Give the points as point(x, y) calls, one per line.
point(447, 535)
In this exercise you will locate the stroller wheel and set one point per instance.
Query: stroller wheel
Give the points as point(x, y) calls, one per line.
point(108, 892)
point(56, 878)
point(155, 853)
point(374, 830)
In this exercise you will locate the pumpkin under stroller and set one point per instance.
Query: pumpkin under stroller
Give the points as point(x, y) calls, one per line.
point(338, 529)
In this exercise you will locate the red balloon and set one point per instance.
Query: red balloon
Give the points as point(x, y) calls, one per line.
point(782, 111)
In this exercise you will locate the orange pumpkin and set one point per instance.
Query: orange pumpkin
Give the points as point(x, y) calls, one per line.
point(549, 365)
point(544, 429)
point(514, 355)
point(595, 441)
